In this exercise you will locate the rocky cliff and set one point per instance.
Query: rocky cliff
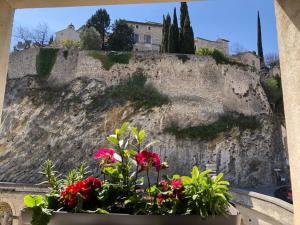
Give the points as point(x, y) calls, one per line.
point(67, 116)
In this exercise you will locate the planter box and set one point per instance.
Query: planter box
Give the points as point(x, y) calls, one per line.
point(63, 218)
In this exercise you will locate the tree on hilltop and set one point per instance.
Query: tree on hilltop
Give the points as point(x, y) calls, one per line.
point(90, 39)
point(188, 42)
point(259, 42)
point(173, 45)
point(100, 21)
point(165, 34)
point(122, 37)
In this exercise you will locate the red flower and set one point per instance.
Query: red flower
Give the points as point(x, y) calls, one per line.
point(84, 189)
point(176, 183)
point(147, 159)
point(106, 154)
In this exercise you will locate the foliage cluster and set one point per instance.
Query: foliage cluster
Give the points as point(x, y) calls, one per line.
point(124, 165)
point(175, 39)
point(70, 44)
point(273, 90)
point(110, 58)
point(45, 61)
point(90, 39)
point(209, 132)
point(122, 37)
point(218, 56)
point(101, 22)
point(137, 91)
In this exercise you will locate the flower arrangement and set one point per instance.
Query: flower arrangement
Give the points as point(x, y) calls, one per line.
point(120, 187)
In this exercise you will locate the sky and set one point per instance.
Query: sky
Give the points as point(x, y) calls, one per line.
point(234, 20)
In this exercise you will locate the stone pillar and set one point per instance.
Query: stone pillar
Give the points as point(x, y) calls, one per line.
point(288, 27)
point(6, 21)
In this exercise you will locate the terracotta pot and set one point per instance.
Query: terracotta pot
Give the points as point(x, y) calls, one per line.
point(63, 218)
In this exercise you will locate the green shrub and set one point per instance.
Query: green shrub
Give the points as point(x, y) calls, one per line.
point(218, 56)
point(136, 90)
point(273, 90)
point(45, 61)
point(209, 132)
point(90, 39)
point(111, 58)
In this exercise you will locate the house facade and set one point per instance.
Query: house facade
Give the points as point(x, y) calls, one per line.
point(147, 36)
point(67, 34)
point(220, 44)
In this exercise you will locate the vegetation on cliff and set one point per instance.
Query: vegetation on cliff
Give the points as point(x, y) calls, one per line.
point(208, 132)
point(110, 58)
point(45, 61)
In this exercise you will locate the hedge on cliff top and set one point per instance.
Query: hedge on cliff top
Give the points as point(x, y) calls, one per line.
point(111, 58)
point(45, 61)
point(208, 132)
point(218, 56)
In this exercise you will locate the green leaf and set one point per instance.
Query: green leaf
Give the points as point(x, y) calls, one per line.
point(124, 128)
point(33, 200)
point(186, 180)
point(141, 136)
point(101, 211)
point(113, 139)
point(176, 176)
point(135, 131)
point(195, 173)
point(218, 177)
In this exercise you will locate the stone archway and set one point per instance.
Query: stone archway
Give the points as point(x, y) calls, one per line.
point(6, 214)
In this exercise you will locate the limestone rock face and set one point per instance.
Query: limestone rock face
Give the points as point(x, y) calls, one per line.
point(67, 120)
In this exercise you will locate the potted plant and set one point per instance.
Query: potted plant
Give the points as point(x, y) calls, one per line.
point(120, 197)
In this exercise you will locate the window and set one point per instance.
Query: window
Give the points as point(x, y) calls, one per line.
point(136, 38)
point(147, 39)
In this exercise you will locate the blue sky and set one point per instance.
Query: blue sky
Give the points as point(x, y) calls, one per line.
point(235, 20)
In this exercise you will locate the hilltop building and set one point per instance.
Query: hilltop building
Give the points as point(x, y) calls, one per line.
point(147, 36)
point(67, 34)
point(220, 44)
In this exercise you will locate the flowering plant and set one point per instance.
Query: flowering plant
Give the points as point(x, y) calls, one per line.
point(119, 188)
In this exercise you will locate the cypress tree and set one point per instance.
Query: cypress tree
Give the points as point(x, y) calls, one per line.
point(259, 41)
point(183, 14)
point(188, 42)
point(176, 32)
point(173, 45)
point(162, 47)
point(166, 33)
point(171, 41)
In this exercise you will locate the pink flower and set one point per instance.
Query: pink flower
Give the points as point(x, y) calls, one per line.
point(164, 185)
point(106, 154)
point(176, 183)
point(147, 159)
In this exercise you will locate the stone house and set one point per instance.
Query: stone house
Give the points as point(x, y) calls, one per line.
point(147, 36)
point(249, 58)
point(220, 44)
point(67, 34)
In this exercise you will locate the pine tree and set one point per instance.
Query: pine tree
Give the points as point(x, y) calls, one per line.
point(188, 42)
point(100, 21)
point(259, 41)
point(166, 33)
